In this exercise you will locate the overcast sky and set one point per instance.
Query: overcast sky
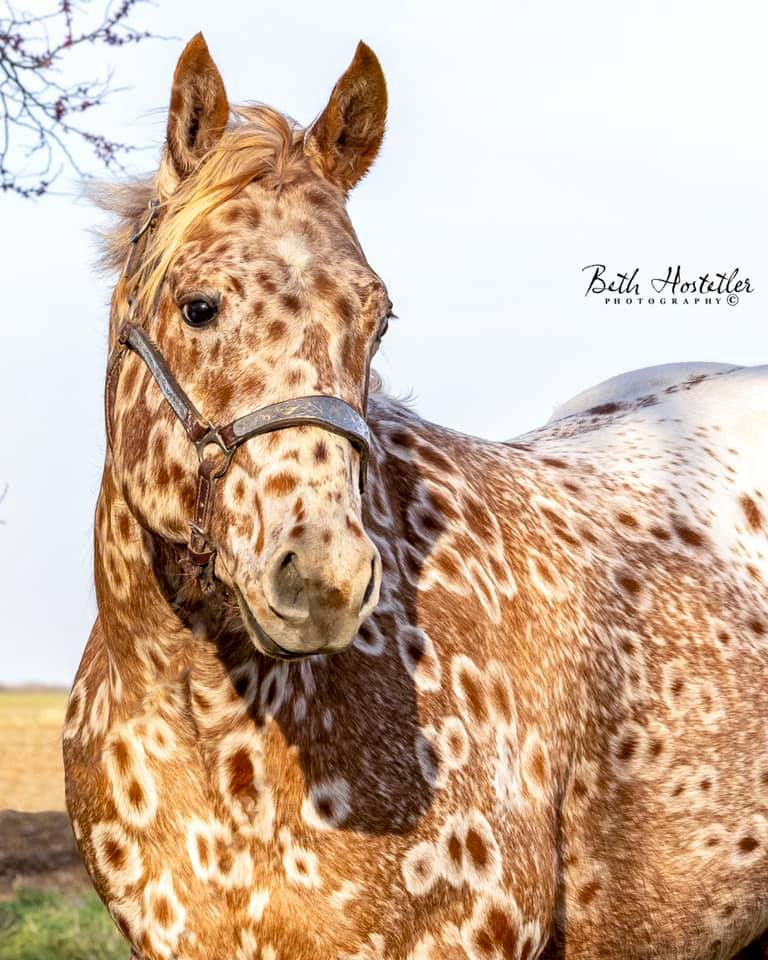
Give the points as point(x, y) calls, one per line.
point(526, 140)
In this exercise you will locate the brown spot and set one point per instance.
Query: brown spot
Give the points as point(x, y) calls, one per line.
point(706, 785)
point(579, 788)
point(447, 565)
point(629, 584)
point(751, 512)
point(325, 286)
point(124, 525)
point(454, 848)
point(555, 462)
point(225, 859)
point(538, 766)
point(756, 626)
point(473, 694)
point(115, 854)
point(297, 531)
point(415, 649)
point(477, 849)
point(552, 516)
point(604, 409)
point(627, 748)
point(498, 933)
point(402, 438)
point(291, 302)
point(628, 520)
point(544, 571)
point(317, 198)
point(500, 697)
point(748, 844)
point(436, 459)
point(267, 283)
point(276, 331)
point(203, 853)
point(122, 755)
point(345, 309)
point(280, 484)
point(74, 703)
point(136, 794)
point(689, 536)
point(321, 451)
point(240, 772)
point(162, 911)
point(588, 891)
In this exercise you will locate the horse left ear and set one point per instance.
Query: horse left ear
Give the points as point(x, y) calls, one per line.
point(199, 109)
point(344, 140)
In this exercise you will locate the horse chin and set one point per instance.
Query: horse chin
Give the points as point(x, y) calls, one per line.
point(266, 644)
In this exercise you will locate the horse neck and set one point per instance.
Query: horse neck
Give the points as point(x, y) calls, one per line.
point(145, 639)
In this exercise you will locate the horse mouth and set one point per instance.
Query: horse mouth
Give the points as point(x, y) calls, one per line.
point(266, 644)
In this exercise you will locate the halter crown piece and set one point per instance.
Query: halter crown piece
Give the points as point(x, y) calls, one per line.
point(216, 445)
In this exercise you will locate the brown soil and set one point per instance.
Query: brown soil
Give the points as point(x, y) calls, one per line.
point(38, 850)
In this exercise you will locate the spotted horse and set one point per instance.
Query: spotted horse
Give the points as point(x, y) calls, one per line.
point(497, 701)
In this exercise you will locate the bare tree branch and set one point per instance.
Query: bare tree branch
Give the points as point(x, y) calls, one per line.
point(40, 116)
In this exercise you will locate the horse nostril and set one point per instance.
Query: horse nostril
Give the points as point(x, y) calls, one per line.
point(285, 588)
point(371, 584)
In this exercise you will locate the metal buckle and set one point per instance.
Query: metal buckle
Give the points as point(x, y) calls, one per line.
point(213, 438)
point(148, 221)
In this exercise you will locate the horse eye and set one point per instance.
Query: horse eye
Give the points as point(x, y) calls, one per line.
point(198, 313)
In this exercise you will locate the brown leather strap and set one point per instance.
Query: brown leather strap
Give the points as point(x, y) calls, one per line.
point(193, 422)
point(200, 551)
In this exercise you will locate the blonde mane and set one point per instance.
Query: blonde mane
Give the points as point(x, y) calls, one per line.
point(260, 144)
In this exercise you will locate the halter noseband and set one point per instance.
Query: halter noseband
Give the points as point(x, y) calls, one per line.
point(329, 413)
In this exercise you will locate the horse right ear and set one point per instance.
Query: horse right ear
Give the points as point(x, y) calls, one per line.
point(199, 109)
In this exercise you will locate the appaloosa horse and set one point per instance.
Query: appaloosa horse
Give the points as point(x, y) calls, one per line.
point(544, 729)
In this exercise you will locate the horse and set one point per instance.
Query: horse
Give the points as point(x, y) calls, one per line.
point(361, 686)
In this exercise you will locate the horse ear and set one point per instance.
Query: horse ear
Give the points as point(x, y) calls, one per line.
point(344, 140)
point(199, 109)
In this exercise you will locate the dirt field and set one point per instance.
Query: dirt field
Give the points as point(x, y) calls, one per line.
point(36, 844)
point(32, 777)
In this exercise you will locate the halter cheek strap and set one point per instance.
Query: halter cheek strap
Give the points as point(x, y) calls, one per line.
point(216, 445)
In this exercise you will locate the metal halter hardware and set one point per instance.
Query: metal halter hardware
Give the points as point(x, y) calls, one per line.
point(328, 413)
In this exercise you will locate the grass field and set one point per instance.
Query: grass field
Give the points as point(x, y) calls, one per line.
point(47, 911)
point(30, 750)
point(38, 925)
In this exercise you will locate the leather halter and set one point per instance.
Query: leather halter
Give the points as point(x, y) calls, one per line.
point(216, 445)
